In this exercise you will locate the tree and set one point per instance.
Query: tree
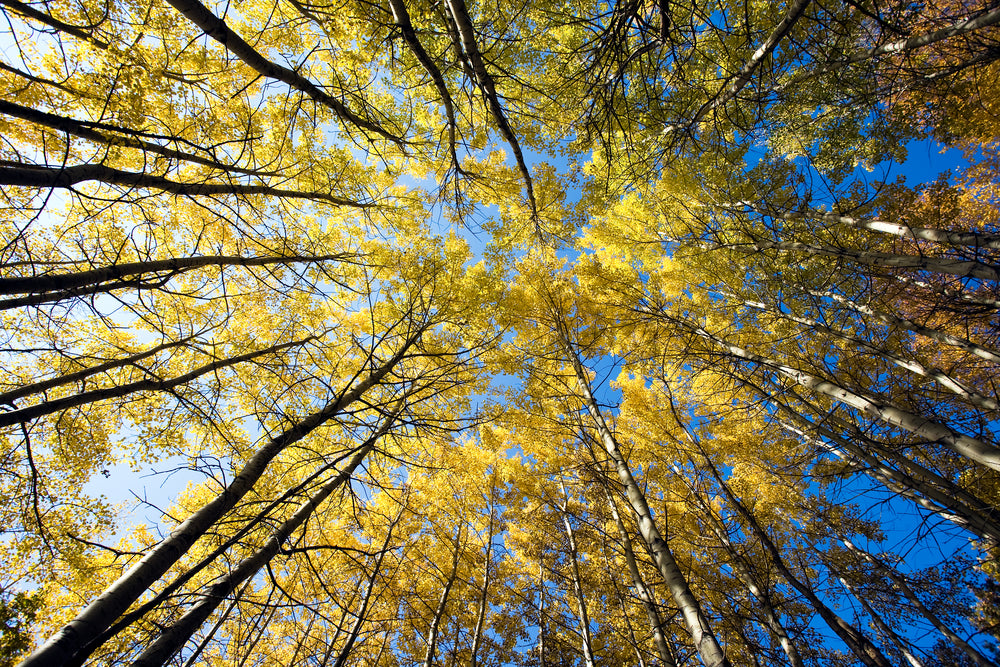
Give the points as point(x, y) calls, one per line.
point(646, 389)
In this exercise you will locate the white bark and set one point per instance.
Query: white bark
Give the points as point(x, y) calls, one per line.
point(655, 622)
point(586, 644)
point(697, 624)
point(900, 583)
point(974, 449)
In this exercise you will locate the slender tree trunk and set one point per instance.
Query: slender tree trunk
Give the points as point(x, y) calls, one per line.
point(860, 645)
point(697, 624)
point(903, 587)
point(66, 177)
point(362, 613)
point(648, 604)
point(882, 626)
point(974, 449)
point(945, 237)
point(217, 29)
point(100, 614)
point(962, 268)
point(977, 302)
point(173, 638)
point(477, 635)
point(541, 608)
point(27, 413)
point(743, 570)
point(8, 397)
point(64, 282)
point(54, 23)
point(110, 135)
point(738, 81)
point(922, 485)
point(963, 27)
point(402, 18)
point(432, 632)
point(193, 658)
point(466, 33)
point(909, 325)
point(581, 601)
point(939, 376)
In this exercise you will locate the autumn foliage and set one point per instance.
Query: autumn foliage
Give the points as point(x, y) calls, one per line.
point(492, 333)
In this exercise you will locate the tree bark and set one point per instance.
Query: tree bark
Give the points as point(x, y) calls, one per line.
point(27, 413)
point(8, 397)
point(976, 450)
point(909, 325)
point(123, 137)
point(355, 632)
point(100, 614)
point(217, 29)
point(860, 645)
point(648, 604)
point(697, 624)
point(581, 602)
point(63, 282)
point(900, 582)
point(28, 175)
point(173, 638)
point(432, 631)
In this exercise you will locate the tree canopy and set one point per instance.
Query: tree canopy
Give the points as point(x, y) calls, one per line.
point(491, 333)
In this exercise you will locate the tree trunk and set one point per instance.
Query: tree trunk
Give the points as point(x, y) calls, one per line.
point(432, 632)
point(939, 376)
point(962, 268)
point(581, 601)
point(27, 413)
point(100, 614)
point(173, 638)
point(742, 568)
point(697, 624)
point(919, 329)
point(976, 450)
point(648, 604)
point(924, 486)
point(900, 582)
point(352, 637)
point(860, 645)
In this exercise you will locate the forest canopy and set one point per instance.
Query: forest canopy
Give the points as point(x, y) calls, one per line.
point(489, 333)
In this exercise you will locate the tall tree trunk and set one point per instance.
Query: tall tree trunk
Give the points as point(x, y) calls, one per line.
point(901, 584)
point(945, 380)
point(962, 268)
point(743, 570)
point(909, 325)
point(648, 604)
point(477, 635)
point(100, 614)
point(27, 413)
point(541, 608)
point(217, 29)
point(173, 637)
point(362, 613)
point(581, 601)
point(433, 630)
point(856, 641)
point(930, 490)
point(972, 448)
point(8, 397)
point(970, 239)
point(697, 624)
